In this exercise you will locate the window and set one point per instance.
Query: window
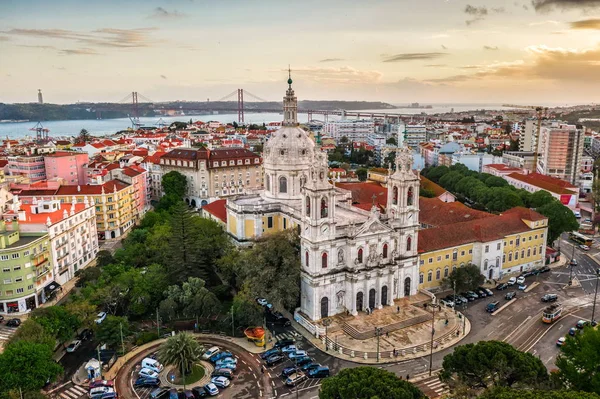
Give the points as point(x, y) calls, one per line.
point(498, 262)
point(542, 235)
point(470, 251)
point(522, 253)
point(454, 268)
point(446, 270)
point(529, 238)
point(409, 244)
point(498, 246)
point(307, 206)
point(455, 255)
point(385, 251)
point(485, 264)
point(438, 274)
point(429, 276)
point(510, 256)
point(536, 236)
point(284, 223)
point(282, 184)
point(30, 287)
point(16, 268)
point(395, 196)
point(420, 278)
point(360, 255)
point(409, 197)
point(534, 251)
point(8, 281)
point(18, 279)
point(421, 262)
point(306, 258)
point(447, 256)
point(324, 260)
point(540, 249)
point(324, 207)
point(6, 269)
point(487, 249)
point(430, 260)
point(518, 241)
point(15, 256)
point(516, 255)
point(26, 253)
point(528, 252)
point(439, 258)
point(20, 290)
point(270, 222)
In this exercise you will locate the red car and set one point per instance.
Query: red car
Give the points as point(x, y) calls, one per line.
point(102, 383)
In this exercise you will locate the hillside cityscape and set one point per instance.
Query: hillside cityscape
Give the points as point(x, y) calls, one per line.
point(419, 226)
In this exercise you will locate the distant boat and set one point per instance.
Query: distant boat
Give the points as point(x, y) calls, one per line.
point(14, 120)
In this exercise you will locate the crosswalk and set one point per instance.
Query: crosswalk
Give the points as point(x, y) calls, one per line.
point(433, 387)
point(6, 332)
point(287, 335)
point(74, 392)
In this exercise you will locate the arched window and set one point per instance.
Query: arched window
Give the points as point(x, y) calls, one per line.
point(282, 184)
point(540, 249)
point(446, 270)
point(528, 252)
point(395, 196)
point(516, 255)
point(360, 255)
point(420, 278)
point(324, 207)
point(485, 264)
point(498, 261)
point(385, 251)
point(409, 197)
point(306, 258)
point(409, 243)
point(324, 260)
point(454, 268)
point(268, 182)
point(429, 276)
point(510, 256)
point(307, 206)
point(534, 251)
point(438, 274)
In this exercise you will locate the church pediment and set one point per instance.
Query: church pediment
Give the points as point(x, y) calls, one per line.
point(373, 226)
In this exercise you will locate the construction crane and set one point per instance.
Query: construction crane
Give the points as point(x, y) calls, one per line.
point(541, 113)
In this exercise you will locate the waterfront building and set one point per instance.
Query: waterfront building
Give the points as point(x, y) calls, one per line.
point(561, 151)
point(31, 168)
point(352, 129)
point(66, 165)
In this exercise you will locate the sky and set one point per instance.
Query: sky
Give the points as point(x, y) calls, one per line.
point(398, 51)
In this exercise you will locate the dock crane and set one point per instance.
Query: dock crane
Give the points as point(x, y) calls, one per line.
point(541, 113)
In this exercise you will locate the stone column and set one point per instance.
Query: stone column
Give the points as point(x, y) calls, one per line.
point(378, 291)
point(391, 288)
point(353, 296)
point(366, 295)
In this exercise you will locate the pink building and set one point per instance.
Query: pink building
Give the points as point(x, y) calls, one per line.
point(67, 165)
point(138, 178)
point(31, 167)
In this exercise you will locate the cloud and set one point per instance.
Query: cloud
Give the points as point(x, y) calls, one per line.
point(550, 5)
point(413, 56)
point(477, 11)
point(38, 46)
point(444, 47)
point(491, 48)
point(435, 65)
point(593, 24)
point(331, 59)
point(163, 76)
point(480, 13)
point(106, 37)
point(341, 75)
point(162, 13)
point(548, 22)
point(79, 51)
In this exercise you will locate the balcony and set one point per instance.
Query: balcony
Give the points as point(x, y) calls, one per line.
point(63, 269)
point(42, 272)
point(61, 257)
point(39, 260)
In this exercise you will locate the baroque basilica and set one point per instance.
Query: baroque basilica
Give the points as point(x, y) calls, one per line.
point(353, 259)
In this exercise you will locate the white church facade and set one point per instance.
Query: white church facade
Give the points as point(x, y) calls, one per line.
point(352, 258)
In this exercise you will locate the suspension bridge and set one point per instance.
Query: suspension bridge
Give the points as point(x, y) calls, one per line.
point(140, 104)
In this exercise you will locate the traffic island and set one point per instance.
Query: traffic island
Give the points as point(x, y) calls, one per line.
point(199, 376)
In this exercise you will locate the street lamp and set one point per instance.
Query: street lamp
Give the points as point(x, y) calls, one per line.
point(378, 331)
point(433, 306)
point(595, 295)
point(326, 323)
point(571, 264)
point(296, 360)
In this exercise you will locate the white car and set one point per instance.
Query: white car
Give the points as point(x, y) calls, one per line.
point(447, 303)
point(297, 354)
point(73, 346)
point(99, 392)
point(262, 301)
point(145, 372)
point(100, 317)
point(220, 382)
point(584, 247)
point(512, 281)
point(520, 280)
point(210, 352)
point(523, 287)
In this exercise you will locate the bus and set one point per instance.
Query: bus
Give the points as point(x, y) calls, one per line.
point(552, 313)
point(580, 238)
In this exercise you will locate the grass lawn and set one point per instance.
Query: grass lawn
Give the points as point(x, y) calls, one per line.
point(196, 374)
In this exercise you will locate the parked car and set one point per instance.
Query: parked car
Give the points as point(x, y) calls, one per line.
point(229, 366)
point(286, 372)
point(226, 360)
point(297, 354)
point(288, 349)
point(148, 373)
point(210, 352)
point(173, 394)
point(262, 301)
point(320, 372)
point(573, 262)
point(573, 331)
point(146, 382)
point(270, 352)
point(274, 359)
point(101, 383)
point(521, 280)
point(199, 392)
point(282, 343)
point(561, 341)
point(447, 303)
point(13, 323)
point(152, 364)
point(544, 269)
point(501, 286)
point(85, 334)
point(584, 247)
point(481, 293)
point(582, 323)
point(278, 319)
point(222, 373)
point(511, 281)
point(159, 393)
point(220, 382)
point(211, 389)
point(492, 307)
point(523, 287)
point(100, 317)
point(220, 355)
point(472, 295)
point(99, 392)
point(549, 298)
point(510, 295)
point(295, 379)
point(301, 361)
point(187, 394)
point(469, 297)
point(488, 291)
point(462, 298)
point(307, 367)
point(73, 346)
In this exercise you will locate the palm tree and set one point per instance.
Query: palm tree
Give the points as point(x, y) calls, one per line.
point(84, 136)
point(181, 350)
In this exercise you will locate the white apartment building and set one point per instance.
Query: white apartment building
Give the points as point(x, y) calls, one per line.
point(561, 151)
point(353, 129)
point(527, 136)
point(415, 134)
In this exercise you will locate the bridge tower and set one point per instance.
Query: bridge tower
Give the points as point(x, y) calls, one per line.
point(240, 93)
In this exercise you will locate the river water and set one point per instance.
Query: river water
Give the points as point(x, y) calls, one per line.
point(100, 127)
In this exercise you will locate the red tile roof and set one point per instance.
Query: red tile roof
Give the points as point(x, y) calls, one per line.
point(431, 186)
point(433, 212)
point(217, 208)
point(548, 183)
point(362, 193)
point(109, 187)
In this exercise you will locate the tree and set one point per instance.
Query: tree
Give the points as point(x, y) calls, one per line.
point(88, 275)
point(560, 219)
point(32, 331)
point(507, 393)
point(367, 383)
point(27, 365)
point(492, 363)
point(109, 331)
point(539, 199)
point(362, 174)
point(464, 278)
point(174, 183)
point(104, 258)
point(392, 141)
point(84, 311)
point(344, 140)
point(181, 350)
point(57, 321)
point(258, 148)
point(193, 299)
point(246, 312)
point(596, 189)
point(84, 136)
point(579, 362)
